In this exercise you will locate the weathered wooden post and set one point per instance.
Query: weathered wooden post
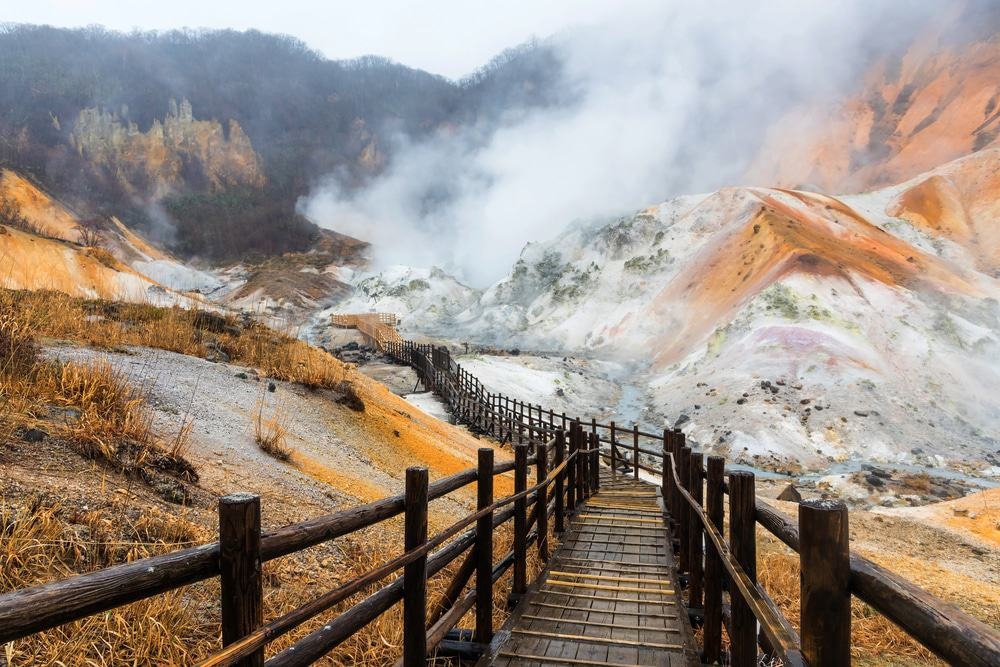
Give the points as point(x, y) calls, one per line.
point(542, 500)
point(239, 564)
point(571, 468)
point(581, 471)
point(666, 479)
point(825, 558)
point(695, 533)
point(560, 486)
point(415, 573)
point(595, 462)
point(684, 515)
point(614, 460)
point(614, 450)
point(743, 542)
point(679, 504)
point(520, 584)
point(635, 450)
point(484, 548)
point(714, 506)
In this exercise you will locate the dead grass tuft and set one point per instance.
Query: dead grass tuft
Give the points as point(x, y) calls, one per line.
point(270, 431)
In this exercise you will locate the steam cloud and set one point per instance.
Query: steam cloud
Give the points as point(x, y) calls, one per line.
point(670, 98)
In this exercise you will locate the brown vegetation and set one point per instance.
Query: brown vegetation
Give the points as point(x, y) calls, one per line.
point(875, 640)
point(270, 432)
point(113, 325)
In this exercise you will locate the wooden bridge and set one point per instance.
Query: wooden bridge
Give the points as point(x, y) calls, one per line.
point(643, 558)
point(610, 594)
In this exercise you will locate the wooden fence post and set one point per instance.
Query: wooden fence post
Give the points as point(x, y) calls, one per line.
point(666, 479)
point(239, 562)
point(714, 506)
point(595, 463)
point(542, 500)
point(415, 573)
point(684, 514)
point(520, 584)
point(743, 542)
point(581, 459)
point(614, 450)
point(635, 450)
point(484, 549)
point(825, 610)
point(560, 486)
point(571, 473)
point(695, 533)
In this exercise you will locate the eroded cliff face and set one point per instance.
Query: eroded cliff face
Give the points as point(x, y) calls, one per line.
point(938, 102)
point(178, 152)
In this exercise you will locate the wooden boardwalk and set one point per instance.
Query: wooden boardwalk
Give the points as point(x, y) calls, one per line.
point(609, 595)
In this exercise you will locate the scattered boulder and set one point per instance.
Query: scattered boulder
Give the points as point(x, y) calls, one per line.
point(874, 480)
point(560, 392)
point(34, 435)
point(349, 396)
point(683, 419)
point(861, 413)
point(207, 321)
point(740, 401)
point(790, 494)
point(271, 387)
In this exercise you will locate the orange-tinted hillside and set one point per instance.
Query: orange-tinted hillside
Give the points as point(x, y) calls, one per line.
point(782, 232)
point(937, 102)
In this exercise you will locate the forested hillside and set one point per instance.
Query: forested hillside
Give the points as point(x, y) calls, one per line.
point(205, 140)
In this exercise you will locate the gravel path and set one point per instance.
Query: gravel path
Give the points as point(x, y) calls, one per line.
point(329, 468)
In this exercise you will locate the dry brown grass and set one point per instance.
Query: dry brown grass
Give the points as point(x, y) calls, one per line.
point(875, 640)
point(111, 419)
point(270, 431)
point(42, 540)
point(113, 325)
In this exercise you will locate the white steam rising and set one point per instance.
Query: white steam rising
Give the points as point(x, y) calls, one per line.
point(671, 97)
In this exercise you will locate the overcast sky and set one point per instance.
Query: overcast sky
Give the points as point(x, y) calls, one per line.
point(449, 37)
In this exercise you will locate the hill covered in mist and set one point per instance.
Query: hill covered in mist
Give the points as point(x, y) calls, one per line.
point(205, 140)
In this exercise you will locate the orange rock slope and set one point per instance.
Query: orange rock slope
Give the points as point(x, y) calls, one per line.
point(778, 232)
point(938, 102)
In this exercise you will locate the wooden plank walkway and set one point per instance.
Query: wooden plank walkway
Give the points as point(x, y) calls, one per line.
point(609, 595)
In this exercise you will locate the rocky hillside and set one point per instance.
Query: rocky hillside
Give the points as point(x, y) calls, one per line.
point(935, 101)
point(783, 323)
point(170, 155)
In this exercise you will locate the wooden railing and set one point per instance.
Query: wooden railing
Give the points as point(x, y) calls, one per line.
point(562, 480)
point(719, 573)
point(380, 328)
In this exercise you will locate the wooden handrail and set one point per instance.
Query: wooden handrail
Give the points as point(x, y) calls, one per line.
point(942, 628)
point(774, 624)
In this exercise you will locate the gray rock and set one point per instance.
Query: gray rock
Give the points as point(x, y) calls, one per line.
point(874, 480)
point(34, 435)
point(790, 494)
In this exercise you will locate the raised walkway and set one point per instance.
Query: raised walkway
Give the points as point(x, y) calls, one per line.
point(609, 595)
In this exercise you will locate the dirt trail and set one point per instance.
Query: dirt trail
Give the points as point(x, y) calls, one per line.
point(340, 457)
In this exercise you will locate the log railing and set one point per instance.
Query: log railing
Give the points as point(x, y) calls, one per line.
point(237, 557)
point(714, 566)
point(722, 591)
